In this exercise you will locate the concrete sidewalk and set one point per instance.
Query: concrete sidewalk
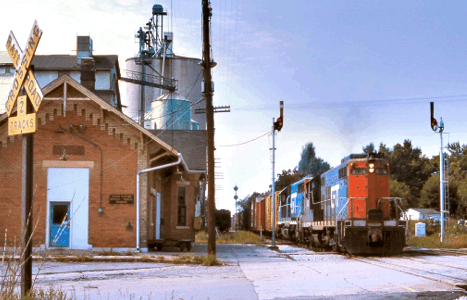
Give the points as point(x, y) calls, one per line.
point(168, 254)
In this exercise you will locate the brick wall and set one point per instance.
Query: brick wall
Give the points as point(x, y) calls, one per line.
point(122, 155)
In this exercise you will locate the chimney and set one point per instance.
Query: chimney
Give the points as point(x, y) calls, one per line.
point(88, 73)
point(84, 46)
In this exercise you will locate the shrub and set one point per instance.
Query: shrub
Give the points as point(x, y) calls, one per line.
point(239, 237)
point(183, 259)
point(210, 260)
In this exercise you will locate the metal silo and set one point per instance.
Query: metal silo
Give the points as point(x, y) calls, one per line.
point(171, 111)
point(185, 70)
point(156, 58)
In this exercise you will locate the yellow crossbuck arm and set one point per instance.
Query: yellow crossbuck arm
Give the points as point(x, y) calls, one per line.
point(22, 62)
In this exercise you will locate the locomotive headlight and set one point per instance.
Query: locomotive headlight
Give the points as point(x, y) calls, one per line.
point(371, 170)
point(372, 166)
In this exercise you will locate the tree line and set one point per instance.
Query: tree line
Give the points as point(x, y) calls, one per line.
point(413, 175)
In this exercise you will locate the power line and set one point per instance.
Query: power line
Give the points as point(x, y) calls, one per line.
point(379, 102)
point(244, 142)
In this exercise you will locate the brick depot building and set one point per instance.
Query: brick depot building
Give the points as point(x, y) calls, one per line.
point(87, 155)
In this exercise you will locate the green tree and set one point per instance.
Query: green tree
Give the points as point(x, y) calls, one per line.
point(242, 204)
point(311, 164)
point(408, 165)
point(381, 149)
point(384, 150)
point(430, 198)
point(458, 174)
point(369, 148)
point(401, 190)
point(286, 178)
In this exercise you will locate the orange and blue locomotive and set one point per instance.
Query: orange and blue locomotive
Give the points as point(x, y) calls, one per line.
point(347, 208)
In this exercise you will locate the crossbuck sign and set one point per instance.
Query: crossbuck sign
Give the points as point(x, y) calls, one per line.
point(23, 122)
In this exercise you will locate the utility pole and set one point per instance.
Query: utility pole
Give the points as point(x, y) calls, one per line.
point(440, 129)
point(207, 65)
point(236, 208)
point(275, 126)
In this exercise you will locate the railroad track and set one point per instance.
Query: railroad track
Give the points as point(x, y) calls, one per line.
point(426, 261)
point(460, 252)
point(422, 270)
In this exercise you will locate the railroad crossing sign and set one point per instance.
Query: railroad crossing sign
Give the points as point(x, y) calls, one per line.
point(23, 123)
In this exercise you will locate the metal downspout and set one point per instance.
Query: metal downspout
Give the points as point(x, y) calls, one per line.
point(138, 196)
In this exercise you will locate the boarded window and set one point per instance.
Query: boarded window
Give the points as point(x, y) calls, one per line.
point(68, 150)
point(181, 206)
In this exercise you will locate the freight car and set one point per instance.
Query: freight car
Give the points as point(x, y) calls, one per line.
point(223, 221)
point(259, 209)
point(346, 209)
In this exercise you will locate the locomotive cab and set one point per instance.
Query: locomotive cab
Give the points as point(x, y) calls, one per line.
point(373, 225)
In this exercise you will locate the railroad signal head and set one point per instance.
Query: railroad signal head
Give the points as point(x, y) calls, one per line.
point(278, 124)
point(434, 123)
point(280, 121)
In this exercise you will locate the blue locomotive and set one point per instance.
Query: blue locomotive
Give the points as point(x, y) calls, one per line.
point(346, 209)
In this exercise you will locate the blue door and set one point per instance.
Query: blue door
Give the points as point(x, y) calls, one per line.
point(59, 224)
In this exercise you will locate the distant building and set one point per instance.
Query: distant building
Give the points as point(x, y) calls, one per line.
point(7, 74)
point(97, 73)
point(423, 214)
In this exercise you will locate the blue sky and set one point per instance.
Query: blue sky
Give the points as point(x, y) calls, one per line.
point(349, 72)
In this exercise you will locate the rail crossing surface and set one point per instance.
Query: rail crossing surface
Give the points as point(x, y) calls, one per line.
point(254, 272)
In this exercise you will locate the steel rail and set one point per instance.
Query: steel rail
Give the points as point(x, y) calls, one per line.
point(442, 278)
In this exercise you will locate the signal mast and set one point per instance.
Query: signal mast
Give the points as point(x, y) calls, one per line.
point(440, 129)
point(277, 125)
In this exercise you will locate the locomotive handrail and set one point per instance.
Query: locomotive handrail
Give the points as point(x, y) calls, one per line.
point(398, 201)
point(395, 200)
point(287, 217)
point(340, 213)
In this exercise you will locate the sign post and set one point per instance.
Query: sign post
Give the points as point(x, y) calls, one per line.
point(24, 123)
